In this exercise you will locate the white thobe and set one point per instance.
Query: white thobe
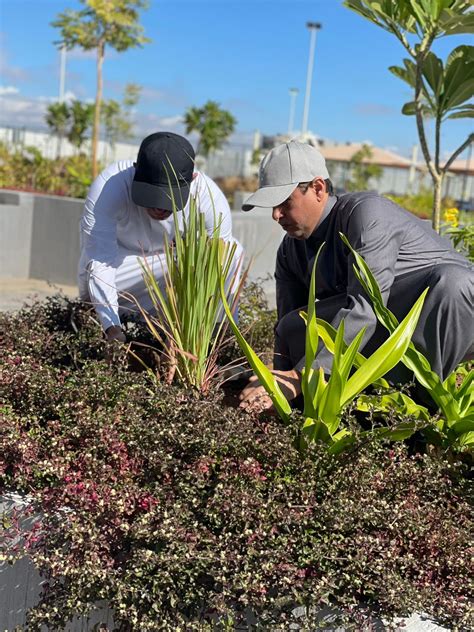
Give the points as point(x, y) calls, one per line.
point(116, 233)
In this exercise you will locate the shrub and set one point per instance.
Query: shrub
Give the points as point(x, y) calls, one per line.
point(176, 509)
point(421, 203)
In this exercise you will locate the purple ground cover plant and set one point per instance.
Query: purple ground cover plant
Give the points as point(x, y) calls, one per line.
point(176, 509)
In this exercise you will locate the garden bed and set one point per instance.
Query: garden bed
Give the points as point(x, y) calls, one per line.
point(176, 509)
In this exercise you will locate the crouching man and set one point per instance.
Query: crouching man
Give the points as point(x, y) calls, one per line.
point(404, 253)
point(128, 214)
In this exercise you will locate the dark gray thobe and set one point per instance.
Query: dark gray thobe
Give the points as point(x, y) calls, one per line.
point(405, 255)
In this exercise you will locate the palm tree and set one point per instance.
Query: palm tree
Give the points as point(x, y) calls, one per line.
point(213, 124)
point(57, 118)
point(81, 119)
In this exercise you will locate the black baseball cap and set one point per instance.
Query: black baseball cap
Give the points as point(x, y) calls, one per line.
point(163, 171)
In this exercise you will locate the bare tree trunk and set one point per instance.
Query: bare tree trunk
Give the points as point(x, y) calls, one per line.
point(438, 183)
point(98, 101)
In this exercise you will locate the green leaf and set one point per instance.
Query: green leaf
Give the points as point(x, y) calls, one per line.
point(409, 109)
point(315, 430)
point(387, 355)
point(309, 380)
point(397, 401)
point(458, 85)
point(463, 425)
point(466, 439)
point(413, 359)
point(433, 72)
point(466, 112)
point(341, 444)
point(407, 74)
point(328, 334)
point(263, 373)
point(457, 24)
point(402, 431)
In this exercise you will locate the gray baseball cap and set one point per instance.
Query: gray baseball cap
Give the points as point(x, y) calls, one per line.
point(282, 169)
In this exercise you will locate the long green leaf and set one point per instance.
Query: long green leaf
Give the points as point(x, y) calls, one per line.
point(387, 355)
point(263, 373)
point(413, 358)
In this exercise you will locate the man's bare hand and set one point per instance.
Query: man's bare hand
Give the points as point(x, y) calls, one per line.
point(115, 333)
point(254, 397)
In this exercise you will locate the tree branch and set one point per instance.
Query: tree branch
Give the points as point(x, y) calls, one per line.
point(459, 150)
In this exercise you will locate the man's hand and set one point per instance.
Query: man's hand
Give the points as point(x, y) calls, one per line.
point(254, 397)
point(115, 333)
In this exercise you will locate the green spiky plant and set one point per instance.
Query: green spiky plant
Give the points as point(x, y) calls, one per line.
point(453, 396)
point(325, 400)
point(188, 321)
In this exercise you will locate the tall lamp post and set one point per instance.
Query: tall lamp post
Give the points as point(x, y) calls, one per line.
point(62, 72)
point(291, 120)
point(313, 27)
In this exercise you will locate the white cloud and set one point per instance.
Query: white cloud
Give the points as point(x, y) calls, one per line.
point(148, 123)
point(8, 90)
point(22, 112)
point(18, 111)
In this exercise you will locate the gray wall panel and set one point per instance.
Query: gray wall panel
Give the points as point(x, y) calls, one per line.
point(16, 217)
point(55, 239)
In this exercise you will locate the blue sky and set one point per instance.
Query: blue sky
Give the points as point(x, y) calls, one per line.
point(244, 54)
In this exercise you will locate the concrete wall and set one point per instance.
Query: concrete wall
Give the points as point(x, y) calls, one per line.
point(55, 239)
point(16, 221)
point(39, 238)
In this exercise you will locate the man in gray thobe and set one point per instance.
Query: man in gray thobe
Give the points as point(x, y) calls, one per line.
point(403, 252)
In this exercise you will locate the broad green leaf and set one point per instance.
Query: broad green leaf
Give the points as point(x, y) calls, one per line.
point(263, 373)
point(387, 355)
point(315, 430)
point(458, 85)
point(466, 439)
point(433, 72)
point(349, 356)
point(341, 444)
point(402, 431)
point(458, 24)
point(312, 338)
point(465, 112)
point(413, 358)
point(397, 401)
point(329, 408)
point(316, 392)
point(463, 425)
point(310, 381)
point(406, 74)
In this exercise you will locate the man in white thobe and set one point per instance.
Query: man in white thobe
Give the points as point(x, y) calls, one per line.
point(128, 213)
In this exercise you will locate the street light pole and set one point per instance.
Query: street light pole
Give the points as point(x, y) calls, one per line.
point(62, 72)
point(291, 120)
point(313, 27)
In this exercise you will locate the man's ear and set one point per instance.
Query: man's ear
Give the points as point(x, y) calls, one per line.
point(195, 175)
point(319, 187)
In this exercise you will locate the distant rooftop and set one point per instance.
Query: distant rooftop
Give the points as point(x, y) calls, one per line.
point(344, 152)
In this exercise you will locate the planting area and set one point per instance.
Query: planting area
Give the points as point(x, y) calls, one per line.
point(180, 510)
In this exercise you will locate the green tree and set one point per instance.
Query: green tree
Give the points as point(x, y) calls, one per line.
point(441, 91)
point(81, 115)
point(213, 124)
point(101, 23)
point(362, 170)
point(117, 117)
point(57, 119)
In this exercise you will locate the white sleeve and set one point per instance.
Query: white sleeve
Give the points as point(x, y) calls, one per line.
point(106, 200)
point(213, 203)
